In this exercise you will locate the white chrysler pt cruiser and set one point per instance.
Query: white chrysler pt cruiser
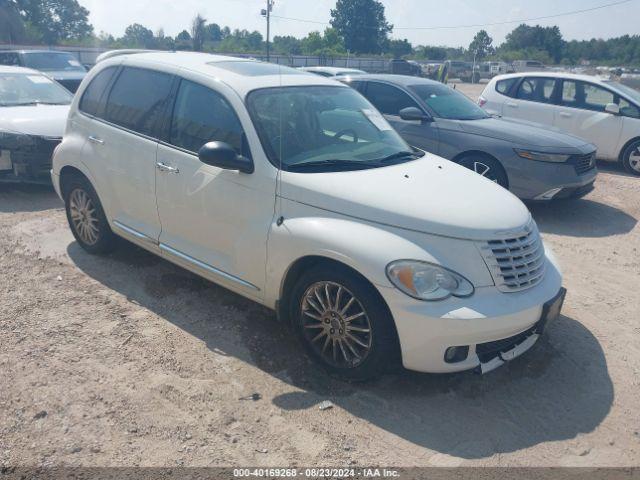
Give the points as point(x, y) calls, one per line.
point(292, 190)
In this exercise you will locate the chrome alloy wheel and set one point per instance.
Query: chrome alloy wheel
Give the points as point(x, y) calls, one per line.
point(484, 170)
point(634, 159)
point(84, 216)
point(336, 325)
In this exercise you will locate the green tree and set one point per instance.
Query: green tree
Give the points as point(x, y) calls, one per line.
point(183, 41)
point(138, 36)
point(12, 28)
point(399, 48)
point(547, 39)
point(56, 20)
point(198, 32)
point(213, 33)
point(481, 46)
point(362, 24)
point(287, 45)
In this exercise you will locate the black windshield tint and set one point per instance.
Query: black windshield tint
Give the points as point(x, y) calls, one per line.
point(445, 102)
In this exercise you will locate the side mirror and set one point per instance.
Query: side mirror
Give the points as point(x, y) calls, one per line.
point(414, 114)
point(222, 155)
point(612, 108)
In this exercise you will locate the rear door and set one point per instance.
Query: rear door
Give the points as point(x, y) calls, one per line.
point(122, 143)
point(582, 113)
point(389, 100)
point(533, 101)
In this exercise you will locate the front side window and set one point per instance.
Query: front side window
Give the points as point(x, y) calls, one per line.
point(448, 103)
point(388, 99)
point(586, 96)
point(52, 61)
point(628, 110)
point(200, 116)
point(536, 89)
point(90, 102)
point(18, 89)
point(138, 99)
point(331, 128)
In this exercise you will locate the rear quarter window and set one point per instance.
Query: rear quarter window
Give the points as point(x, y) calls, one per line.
point(93, 94)
point(504, 86)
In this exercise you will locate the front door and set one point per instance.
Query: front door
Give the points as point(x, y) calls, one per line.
point(214, 221)
point(582, 113)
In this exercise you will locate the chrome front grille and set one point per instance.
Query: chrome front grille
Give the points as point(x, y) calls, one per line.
point(516, 262)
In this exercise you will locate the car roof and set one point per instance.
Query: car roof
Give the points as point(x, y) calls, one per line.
point(329, 69)
point(13, 69)
point(548, 74)
point(403, 80)
point(241, 75)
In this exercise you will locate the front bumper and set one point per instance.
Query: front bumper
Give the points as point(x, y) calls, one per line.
point(534, 180)
point(29, 161)
point(427, 329)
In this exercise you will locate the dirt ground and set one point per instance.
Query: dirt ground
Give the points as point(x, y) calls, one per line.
point(127, 360)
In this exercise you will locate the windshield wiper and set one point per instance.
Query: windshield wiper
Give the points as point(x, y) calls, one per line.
point(332, 162)
point(399, 155)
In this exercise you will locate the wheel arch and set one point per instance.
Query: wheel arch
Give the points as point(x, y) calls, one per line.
point(66, 174)
point(467, 153)
point(625, 146)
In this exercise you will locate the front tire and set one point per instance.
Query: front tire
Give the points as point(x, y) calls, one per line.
point(343, 323)
point(487, 167)
point(631, 158)
point(86, 217)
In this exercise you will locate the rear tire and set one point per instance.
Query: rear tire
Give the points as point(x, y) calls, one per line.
point(343, 323)
point(86, 217)
point(487, 167)
point(631, 158)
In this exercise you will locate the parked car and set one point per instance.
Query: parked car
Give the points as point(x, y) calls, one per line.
point(292, 190)
point(463, 71)
point(332, 71)
point(33, 114)
point(604, 112)
point(63, 67)
point(405, 67)
point(527, 66)
point(535, 163)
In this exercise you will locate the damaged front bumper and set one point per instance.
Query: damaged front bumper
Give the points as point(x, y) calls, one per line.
point(26, 158)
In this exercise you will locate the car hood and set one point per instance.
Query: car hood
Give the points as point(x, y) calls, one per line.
point(66, 74)
point(430, 195)
point(37, 120)
point(523, 134)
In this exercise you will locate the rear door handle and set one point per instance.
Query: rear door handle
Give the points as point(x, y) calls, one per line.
point(96, 140)
point(163, 167)
point(565, 114)
point(512, 105)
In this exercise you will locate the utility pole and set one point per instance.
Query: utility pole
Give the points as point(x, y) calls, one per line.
point(267, 14)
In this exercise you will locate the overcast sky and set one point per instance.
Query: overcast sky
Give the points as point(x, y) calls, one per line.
point(113, 16)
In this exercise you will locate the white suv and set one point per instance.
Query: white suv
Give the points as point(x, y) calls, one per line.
point(603, 112)
point(292, 190)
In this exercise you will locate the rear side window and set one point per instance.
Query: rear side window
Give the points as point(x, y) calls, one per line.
point(8, 58)
point(138, 99)
point(387, 99)
point(90, 102)
point(200, 116)
point(537, 89)
point(504, 86)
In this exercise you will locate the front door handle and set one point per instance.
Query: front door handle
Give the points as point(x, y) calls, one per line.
point(512, 105)
point(565, 114)
point(163, 167)
point(96, 140)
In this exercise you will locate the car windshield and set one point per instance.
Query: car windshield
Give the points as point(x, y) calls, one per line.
point(30, 89)
point(628, 91)
point(324, 128)
point(50, 61)
point(447, 103)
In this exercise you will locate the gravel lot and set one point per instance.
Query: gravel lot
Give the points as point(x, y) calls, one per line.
point(127, 360)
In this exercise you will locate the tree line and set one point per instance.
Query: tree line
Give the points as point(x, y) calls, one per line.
point(357, 27)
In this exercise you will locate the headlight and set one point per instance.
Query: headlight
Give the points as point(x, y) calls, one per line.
point(426, 281)
point(542, 157)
